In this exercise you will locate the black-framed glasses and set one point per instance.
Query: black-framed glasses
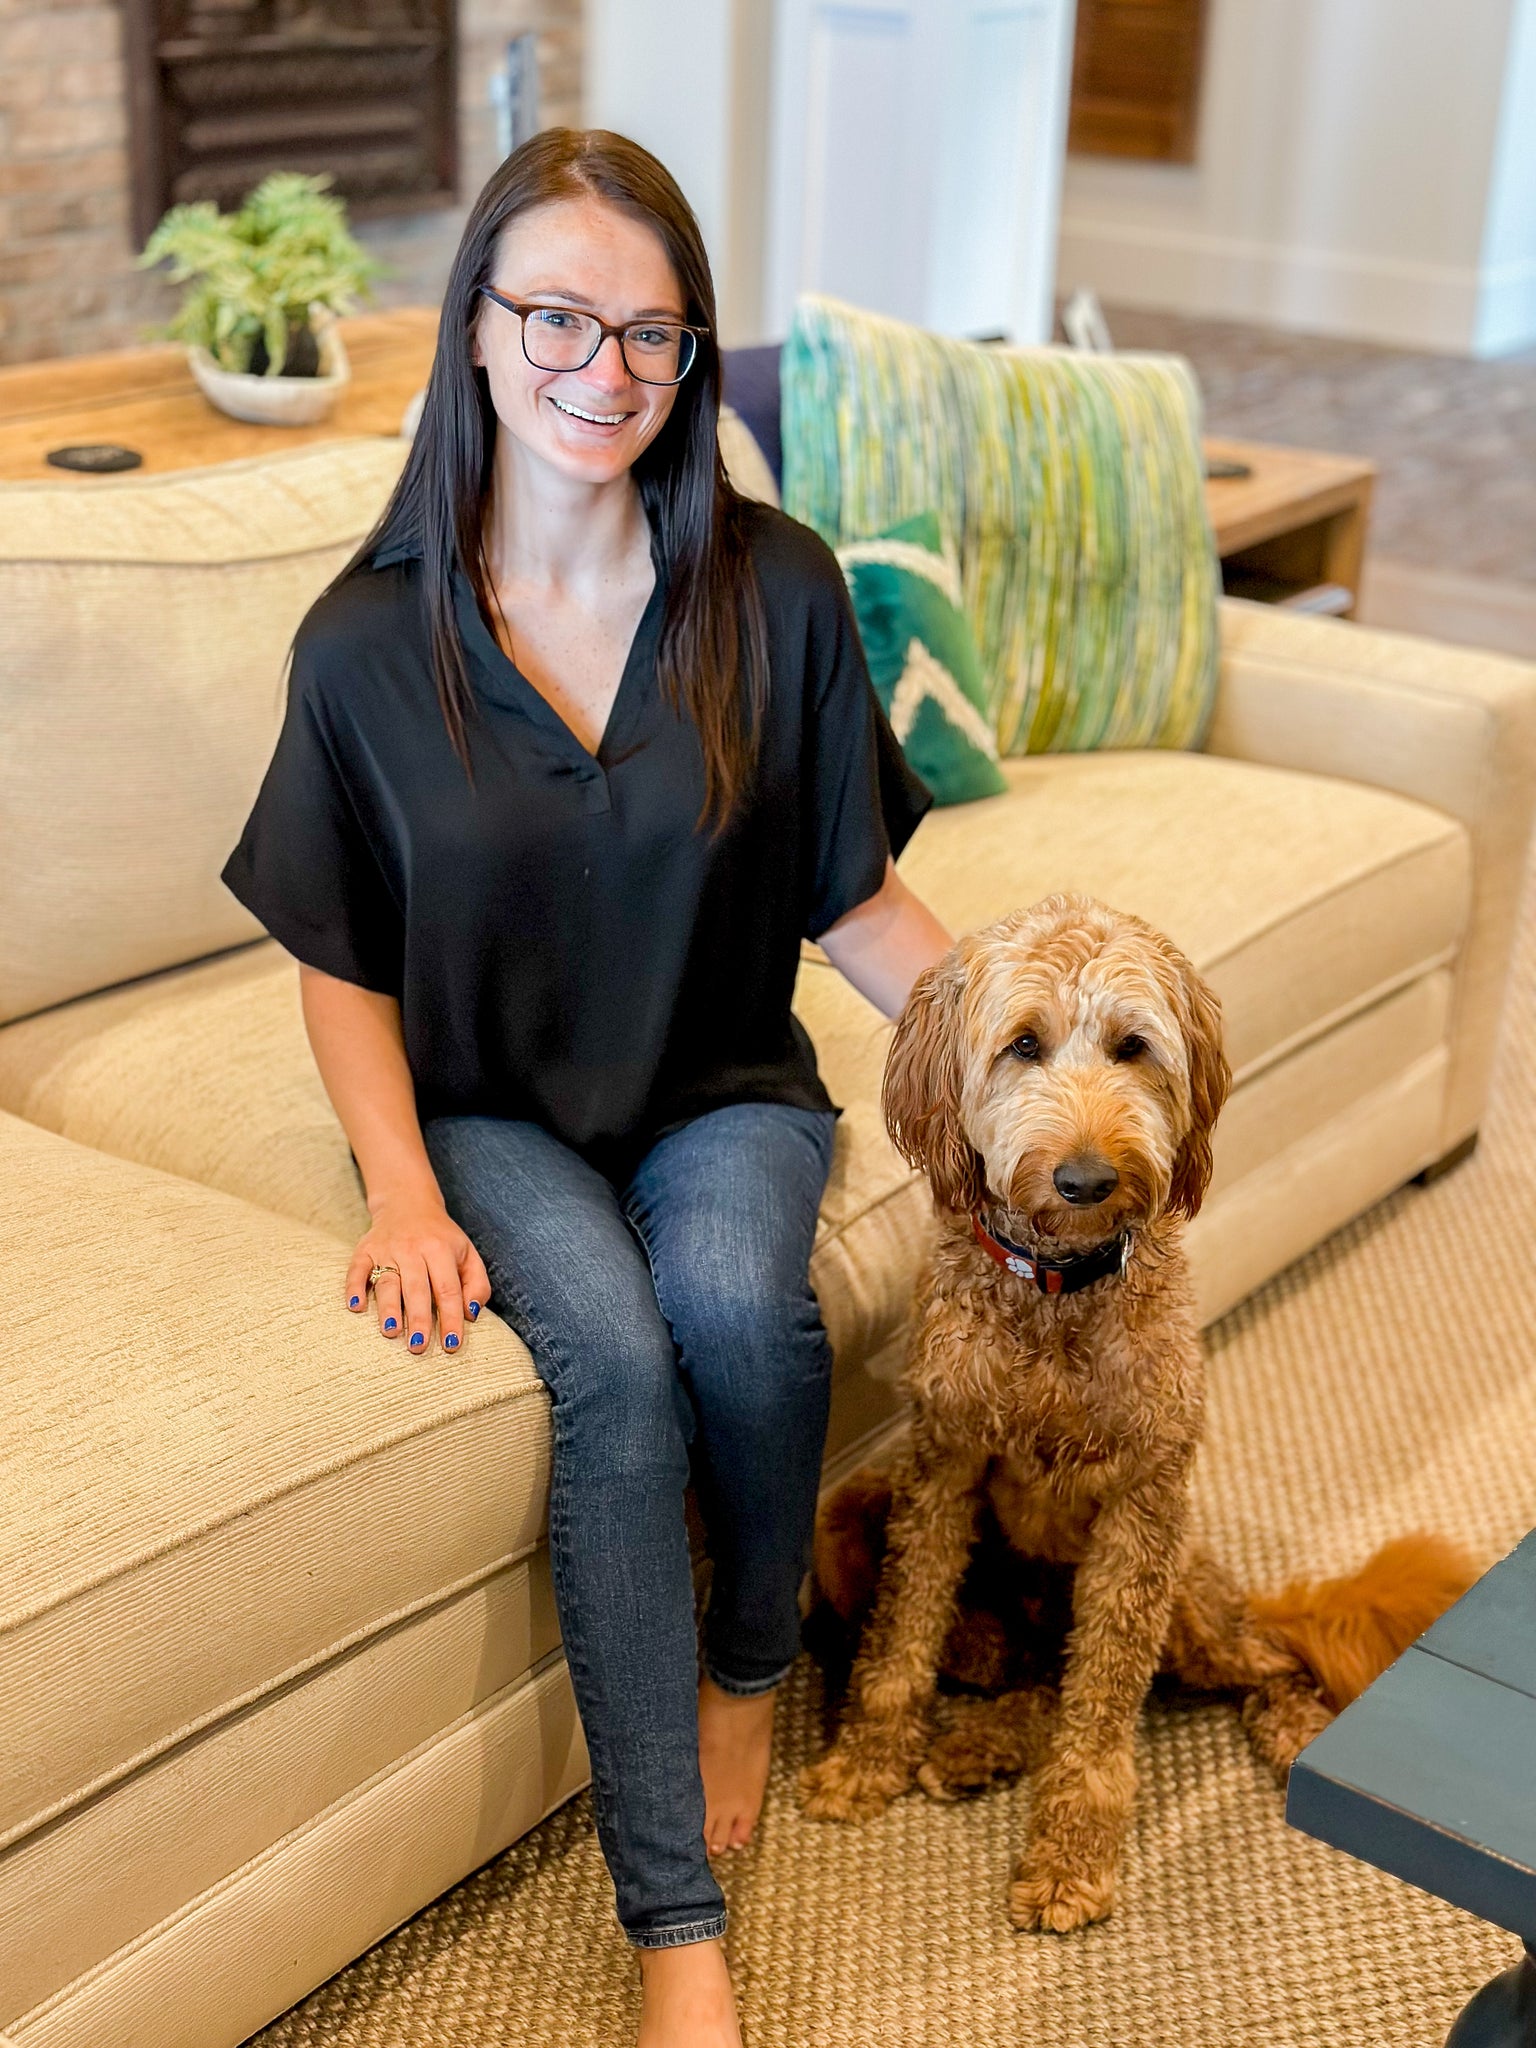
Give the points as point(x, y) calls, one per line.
point(560, 338)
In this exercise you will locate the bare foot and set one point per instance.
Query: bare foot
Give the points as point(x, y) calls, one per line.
point(735, 1746)
point(686, 2000)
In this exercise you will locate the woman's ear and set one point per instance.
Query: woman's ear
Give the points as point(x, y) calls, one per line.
point(924, 1073)
point(1210, 1079)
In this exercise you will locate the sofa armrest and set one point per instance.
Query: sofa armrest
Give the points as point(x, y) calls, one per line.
point(1451, 727)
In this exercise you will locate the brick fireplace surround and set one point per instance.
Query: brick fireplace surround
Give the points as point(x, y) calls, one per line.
point(67, 282)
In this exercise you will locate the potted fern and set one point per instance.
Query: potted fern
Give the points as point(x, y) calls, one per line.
point(265, 286)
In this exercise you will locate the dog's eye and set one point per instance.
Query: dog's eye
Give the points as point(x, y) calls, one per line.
point(1026, 1046)
point(1130, 1048)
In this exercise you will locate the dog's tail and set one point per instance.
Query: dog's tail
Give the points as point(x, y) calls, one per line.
point(1346, 1631)
point(1301, 1655)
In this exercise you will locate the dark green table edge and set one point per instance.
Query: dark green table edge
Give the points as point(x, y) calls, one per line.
point(1436, 1861)
point(1489, 1639)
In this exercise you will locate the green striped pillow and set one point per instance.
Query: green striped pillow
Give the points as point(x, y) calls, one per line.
point(1074, 487)
point(922, 657)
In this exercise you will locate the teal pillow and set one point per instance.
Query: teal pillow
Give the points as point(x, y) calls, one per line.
point(922, 657)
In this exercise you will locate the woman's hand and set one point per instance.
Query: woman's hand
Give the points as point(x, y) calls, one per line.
point(434, 1260)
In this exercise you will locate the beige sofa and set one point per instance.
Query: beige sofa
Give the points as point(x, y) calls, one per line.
point(278, 1657)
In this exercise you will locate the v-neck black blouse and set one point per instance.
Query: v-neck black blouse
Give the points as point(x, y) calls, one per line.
point(565, 946)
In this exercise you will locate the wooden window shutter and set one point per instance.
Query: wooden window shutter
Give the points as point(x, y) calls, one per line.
point(1136, 78)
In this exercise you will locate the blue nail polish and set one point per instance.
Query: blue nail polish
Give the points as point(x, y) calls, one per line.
point(354, 1301)
point(389, 1322)
point(450, 1343)
point(417, 1340)
point(474, 1309)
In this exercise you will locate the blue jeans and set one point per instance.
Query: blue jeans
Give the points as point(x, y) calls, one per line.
point(668, 1311)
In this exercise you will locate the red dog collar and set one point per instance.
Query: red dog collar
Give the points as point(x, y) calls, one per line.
point(1055, 1276)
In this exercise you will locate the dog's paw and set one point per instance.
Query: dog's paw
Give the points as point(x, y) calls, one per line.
point(988, 1742)
point(1049, 1897)
point(847, 1788)
point(1281, 1719)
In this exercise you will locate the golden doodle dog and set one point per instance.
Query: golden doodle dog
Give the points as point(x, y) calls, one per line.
point(1057, 1077)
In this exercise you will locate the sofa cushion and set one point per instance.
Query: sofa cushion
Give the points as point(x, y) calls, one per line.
point(1075, 491)
point(144, 631)
point(745, 463)
point(144, 626)
point(248, 1481)
point(203, 1071)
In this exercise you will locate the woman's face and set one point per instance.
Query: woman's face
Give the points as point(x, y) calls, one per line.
point(587, 255)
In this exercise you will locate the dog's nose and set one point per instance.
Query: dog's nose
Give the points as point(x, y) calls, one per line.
point(1085, 1180)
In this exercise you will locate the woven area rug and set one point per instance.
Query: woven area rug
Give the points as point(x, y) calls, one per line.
point(1387, 1380)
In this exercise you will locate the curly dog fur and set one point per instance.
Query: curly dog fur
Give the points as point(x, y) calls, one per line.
point(1060, 1074)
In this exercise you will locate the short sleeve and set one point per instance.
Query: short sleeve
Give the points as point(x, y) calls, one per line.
point(864, 801)
point(304, 867)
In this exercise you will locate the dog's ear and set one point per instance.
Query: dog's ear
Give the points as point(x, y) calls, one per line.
point(1209, 1080)
point(923, 1075)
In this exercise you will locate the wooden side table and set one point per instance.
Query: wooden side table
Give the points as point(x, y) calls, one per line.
point(1298, 521)
point(1431, 1774)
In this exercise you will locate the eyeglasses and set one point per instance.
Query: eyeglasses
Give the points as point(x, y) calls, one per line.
point(559, 338)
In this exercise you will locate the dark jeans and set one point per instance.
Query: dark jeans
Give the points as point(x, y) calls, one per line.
point(672, 1311)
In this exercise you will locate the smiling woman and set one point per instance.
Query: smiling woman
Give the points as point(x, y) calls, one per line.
point(579, 748)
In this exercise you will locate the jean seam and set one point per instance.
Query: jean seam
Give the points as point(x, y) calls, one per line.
point(744, 1688)
point(680, 1936)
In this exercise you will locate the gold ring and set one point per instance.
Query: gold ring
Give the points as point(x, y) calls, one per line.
point(378, 1270)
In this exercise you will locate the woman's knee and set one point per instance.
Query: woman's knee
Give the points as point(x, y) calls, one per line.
point(620, 1406)
point(757, 1338)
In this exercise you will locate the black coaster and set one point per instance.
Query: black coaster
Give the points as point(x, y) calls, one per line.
point(98, 457)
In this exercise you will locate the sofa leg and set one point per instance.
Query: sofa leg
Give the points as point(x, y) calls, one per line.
point(1446, 1163)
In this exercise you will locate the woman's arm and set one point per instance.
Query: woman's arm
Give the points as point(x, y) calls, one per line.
point(359, 1047)
point(883, 944)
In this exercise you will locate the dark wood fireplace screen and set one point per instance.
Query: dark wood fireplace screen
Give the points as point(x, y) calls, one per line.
point(223, 91)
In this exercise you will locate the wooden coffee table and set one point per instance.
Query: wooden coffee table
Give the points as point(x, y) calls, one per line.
point(1431, 1774)
point(1299, 520)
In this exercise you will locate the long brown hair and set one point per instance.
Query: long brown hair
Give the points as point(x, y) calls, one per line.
point(713, 654)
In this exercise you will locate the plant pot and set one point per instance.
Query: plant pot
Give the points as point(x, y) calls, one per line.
point(301, 358)
point(275, 401)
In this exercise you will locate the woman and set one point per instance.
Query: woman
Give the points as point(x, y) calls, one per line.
point(578, 747)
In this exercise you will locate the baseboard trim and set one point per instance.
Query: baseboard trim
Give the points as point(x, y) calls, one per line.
point(1316, 291)
point(1443, 604)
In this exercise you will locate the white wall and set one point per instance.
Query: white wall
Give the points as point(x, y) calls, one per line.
point(1507, 308)
point(915, 160)
point(673, 90)
point(905, 154)
point(1344, 168)
point(665, 92)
